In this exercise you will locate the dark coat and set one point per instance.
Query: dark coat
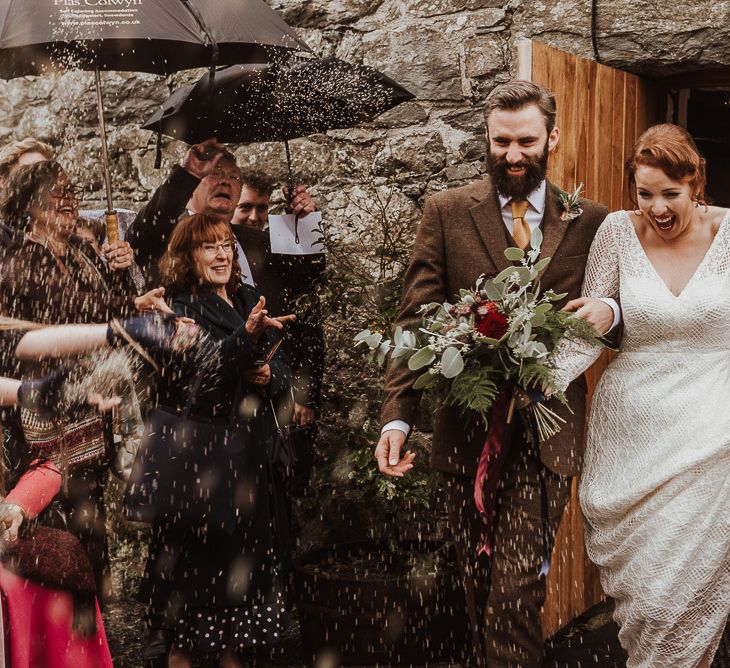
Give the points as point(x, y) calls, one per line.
point(225, 325)
point(461, 237)
point(195, 567)
point(283, 280)
point(33, 286)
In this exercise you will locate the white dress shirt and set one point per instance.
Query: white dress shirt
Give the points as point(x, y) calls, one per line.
point(533, 217)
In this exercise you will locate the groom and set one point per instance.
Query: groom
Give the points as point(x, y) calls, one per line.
point(464, 234)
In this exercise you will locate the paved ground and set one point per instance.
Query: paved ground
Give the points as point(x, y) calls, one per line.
point(590, 641)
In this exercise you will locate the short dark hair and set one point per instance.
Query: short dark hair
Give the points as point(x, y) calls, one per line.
point(518, 94)
point(177, 267)
point(96, 225)
point(23, 189)
point(258, 181)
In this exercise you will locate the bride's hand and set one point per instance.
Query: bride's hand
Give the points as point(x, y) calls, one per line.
point(594, 311)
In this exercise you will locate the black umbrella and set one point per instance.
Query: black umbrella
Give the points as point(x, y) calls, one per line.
point(156, 36)
point(252, 103)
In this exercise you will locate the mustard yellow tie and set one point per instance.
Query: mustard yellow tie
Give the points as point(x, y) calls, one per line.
point(520, 229)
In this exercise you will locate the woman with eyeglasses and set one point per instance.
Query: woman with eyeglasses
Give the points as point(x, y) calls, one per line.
point(214, 586)
point(49, 276)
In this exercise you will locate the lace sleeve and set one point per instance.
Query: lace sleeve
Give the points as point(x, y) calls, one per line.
point(572, 357)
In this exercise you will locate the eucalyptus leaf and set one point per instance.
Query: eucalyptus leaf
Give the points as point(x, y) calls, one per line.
point(374, 340)
point(424, 381)
point(555, 296)
point(514, 254)
point(361, 336)
point(524, 276)
point(504, 275)
point(542, 264)
point(452, 363)
point(487, 340)
point(422, 358)
point(382, 353)
point(399, 352)
point(537, 320)
point(398, 336)
point(409, 340)
point(536, 238)
point(492, 291)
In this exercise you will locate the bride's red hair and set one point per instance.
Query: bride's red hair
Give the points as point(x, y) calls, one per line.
point(669, 148)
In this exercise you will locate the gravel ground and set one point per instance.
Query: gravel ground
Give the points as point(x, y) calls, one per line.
point(590, 641)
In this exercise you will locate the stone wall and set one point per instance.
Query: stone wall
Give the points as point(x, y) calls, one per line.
point(450, 53)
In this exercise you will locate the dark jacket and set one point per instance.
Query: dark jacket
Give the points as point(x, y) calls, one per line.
point(34, 287)
point(461, 237)
point(225, 324)
point(150, 232)
point(289, 283)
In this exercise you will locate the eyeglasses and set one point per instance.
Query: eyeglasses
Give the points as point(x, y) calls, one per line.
point(60, 191)
point(223, 175)
point(211, 250)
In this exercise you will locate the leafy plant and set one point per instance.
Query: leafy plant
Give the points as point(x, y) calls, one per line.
point(368, 254)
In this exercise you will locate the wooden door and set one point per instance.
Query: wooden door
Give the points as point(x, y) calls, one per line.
point(601, 113)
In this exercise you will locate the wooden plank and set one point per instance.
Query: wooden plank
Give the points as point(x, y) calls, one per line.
point(616, 164)
point(629, 137)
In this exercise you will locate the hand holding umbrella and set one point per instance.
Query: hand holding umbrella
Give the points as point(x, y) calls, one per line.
point(202, 159)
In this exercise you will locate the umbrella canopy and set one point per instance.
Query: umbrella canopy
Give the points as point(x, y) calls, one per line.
point(156, 36)
point(251, 103)
point(160, 36)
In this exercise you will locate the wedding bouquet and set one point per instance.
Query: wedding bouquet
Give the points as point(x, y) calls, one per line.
point(497, 336)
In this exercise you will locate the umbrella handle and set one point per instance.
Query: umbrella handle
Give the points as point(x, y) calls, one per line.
point(112, 226)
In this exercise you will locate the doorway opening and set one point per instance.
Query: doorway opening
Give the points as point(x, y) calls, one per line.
point(702, 105)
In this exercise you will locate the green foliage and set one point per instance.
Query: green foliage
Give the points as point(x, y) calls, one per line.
point(368, 252)
point(476, 389)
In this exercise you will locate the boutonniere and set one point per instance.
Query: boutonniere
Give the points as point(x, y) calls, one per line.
point(569, 205)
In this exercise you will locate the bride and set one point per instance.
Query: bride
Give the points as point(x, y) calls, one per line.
point(655, 489)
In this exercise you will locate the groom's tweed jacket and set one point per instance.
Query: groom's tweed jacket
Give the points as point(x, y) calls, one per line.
point(462, 236)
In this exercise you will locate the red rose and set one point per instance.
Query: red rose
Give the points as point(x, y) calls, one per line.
point(489, 321)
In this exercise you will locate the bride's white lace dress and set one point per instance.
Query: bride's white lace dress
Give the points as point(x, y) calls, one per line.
point(655, 488)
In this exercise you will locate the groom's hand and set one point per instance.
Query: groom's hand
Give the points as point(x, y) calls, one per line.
point(387, 454)
point(594, 311)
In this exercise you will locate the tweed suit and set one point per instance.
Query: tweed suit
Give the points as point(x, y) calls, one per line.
point(462, 236)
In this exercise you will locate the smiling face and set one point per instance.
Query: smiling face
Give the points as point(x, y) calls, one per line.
point(252, 209)
point(519, 145)
point(667, 204)
point(55, 209)
point(217, 194)
point(213, 260)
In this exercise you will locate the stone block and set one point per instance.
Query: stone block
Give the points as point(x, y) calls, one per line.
point(484, 55)
point(422, 57)
point(323, 13)
point(423, 154)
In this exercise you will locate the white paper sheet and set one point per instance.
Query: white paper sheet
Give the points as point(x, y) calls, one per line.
point(283, 231)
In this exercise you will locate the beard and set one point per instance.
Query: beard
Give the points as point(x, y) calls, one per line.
point(517, 187)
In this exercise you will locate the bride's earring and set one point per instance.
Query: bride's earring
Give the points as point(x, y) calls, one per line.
point(638, 213)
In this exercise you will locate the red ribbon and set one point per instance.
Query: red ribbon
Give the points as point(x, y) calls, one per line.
point(489, 470)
